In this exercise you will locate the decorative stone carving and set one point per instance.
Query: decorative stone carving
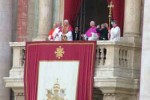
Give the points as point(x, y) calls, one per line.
point(22, 57)
point(109, 97)
point(19, 96)
point(119, 96)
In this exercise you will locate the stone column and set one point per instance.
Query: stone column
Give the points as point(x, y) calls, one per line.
point(5, 51)
point(145, 66)
point(132, 18)
point(45, 19)
point(31, 19)
point(61, 10)
point(58, 13)
point(22, 20)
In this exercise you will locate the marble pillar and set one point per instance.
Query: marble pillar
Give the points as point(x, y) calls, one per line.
point(61, 10)
point(145, 66)
point(5, 51)
point(31, 19)
point(14, 19)
point(132, 22)
point(22, 20)
point(45, 19)
point(132, 17)
point(58, 13)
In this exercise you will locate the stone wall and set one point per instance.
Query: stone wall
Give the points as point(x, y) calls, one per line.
point(5, 50)
point(145, 66)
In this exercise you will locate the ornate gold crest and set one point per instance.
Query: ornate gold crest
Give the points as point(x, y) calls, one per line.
point(59, 52)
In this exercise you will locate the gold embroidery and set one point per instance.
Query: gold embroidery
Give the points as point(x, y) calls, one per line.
point(59, 52)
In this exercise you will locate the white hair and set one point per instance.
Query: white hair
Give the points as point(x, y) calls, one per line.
point(66, 21)
point(92, 22)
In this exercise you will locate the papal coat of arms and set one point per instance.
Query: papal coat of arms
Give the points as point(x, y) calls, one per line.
point(59, 52)
point(56, 93)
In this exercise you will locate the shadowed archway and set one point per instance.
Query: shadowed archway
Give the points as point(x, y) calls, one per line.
point(96, 10)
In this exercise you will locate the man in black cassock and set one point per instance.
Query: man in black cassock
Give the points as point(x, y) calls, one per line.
point(76, 33)
point(103, 31)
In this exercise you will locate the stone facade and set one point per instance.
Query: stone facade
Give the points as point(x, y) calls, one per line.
point(5, 50)
point(145, 66)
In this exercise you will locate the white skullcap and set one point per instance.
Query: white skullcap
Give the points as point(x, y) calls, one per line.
point(66, 21)
point(92, 22)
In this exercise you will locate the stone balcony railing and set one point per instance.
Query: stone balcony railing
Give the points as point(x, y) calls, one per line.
point(116, 70)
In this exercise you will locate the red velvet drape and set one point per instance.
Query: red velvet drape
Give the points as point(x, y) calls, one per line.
point(118, 12)
point(71, 10)
point(84, 52)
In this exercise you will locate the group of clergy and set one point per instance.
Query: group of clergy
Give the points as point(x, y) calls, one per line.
point(61, 33)
point(65, 32)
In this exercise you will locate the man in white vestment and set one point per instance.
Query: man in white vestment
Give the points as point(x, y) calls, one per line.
point(57, 31)
point(115, 32)
point(66, 32)
point(54, 32)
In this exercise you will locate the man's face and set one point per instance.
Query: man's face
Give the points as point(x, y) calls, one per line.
point(66, 23)
point(102, 26)
point(76, 28)
point(92, 24)
point(114, 24)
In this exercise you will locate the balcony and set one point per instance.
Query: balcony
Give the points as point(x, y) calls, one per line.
point(117, 70)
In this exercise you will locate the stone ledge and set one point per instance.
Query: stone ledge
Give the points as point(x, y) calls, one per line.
point(116, 83)
point(114, 72)
point(108, 43)
point(107, 90)
point(17, 44)
point(13, 82)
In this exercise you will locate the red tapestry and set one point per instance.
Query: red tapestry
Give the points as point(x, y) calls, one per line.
point(82, 51)
point(71, 10)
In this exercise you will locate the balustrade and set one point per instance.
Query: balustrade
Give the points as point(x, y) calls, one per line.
point(113, 67)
